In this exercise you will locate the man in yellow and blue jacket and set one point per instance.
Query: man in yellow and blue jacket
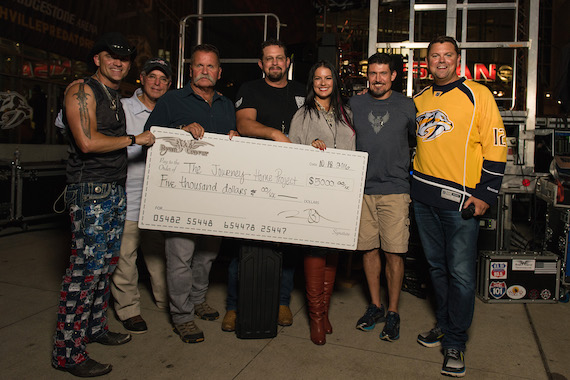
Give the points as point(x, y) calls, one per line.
point(458, 170)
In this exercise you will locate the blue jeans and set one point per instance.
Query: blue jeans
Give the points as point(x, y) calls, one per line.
point(450, 247)
point(285, 289)
point(97, 212)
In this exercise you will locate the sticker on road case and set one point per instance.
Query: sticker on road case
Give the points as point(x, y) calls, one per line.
point(527, 265)
point(545, 294)
point(498, 270)
point(516, 292)
point(533, 294)
point(497, 289)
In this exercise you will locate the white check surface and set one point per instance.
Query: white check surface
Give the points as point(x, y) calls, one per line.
point(253, 189)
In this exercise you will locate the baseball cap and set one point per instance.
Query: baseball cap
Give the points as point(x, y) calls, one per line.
point(157, 63)
point(115, 43)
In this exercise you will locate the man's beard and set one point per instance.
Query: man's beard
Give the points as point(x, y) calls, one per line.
point(379, 93)
point(275, 76)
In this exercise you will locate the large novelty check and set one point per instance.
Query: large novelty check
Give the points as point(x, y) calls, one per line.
point(253, 189)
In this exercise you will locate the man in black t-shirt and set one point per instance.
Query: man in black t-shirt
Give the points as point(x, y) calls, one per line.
point(264, 109)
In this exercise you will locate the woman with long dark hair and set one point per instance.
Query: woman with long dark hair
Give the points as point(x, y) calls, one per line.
point(323, 121)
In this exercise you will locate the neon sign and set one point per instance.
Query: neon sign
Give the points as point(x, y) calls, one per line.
point(45, 70)
point(480, 73)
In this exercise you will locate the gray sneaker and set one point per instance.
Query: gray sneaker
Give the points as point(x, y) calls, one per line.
point(206, 312)
point(453, 363)
point(189, 332)
point(431, 338)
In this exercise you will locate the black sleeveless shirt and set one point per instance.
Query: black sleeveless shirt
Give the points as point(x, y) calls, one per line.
point(100, 167)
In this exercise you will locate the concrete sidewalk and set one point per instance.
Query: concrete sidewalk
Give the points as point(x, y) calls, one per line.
point(507, 341)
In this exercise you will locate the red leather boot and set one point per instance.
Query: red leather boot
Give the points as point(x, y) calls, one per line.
point(314, 280)
point(330, 274)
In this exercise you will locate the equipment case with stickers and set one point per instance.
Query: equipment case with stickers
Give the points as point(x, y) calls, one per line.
point(518, 277)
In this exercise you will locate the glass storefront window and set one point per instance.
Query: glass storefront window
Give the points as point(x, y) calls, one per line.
point(32, 82)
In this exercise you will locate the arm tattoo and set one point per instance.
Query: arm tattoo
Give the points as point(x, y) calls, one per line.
point(83, 110)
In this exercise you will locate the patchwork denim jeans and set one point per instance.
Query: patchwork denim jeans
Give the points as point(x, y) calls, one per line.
point(97, 212)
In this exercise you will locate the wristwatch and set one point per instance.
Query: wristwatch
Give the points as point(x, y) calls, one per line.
point(133, 139)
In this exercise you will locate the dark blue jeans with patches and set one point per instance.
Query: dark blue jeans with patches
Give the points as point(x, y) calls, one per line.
point(97, 212)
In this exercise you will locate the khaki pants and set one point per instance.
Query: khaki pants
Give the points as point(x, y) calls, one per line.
point(124, 286)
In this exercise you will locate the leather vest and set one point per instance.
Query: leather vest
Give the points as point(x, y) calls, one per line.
point(100, 167)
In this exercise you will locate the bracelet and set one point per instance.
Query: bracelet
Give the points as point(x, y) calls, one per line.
point(315, 140)
point(133, 139)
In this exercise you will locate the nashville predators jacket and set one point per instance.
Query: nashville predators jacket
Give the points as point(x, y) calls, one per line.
point(461, 145)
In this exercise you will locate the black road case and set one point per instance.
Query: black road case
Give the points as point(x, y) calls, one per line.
point(258, 295)
point(518, 277)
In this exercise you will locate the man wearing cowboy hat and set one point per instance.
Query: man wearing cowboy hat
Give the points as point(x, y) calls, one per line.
point(95, 194)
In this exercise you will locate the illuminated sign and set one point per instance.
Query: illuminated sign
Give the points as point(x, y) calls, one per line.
point(44, 70)
point(480, 73)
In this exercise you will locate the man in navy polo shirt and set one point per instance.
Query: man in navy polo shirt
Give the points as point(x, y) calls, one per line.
point(196, 108)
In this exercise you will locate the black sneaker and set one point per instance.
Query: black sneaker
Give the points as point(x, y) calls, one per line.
point(112, 339)
point(88, 368)
point(431, 338)
point(373, 315)
point(453, 363)
point(135, 325)
point(391, 330)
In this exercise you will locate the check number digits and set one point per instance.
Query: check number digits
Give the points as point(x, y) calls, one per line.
point(171, 219)
point(199, 222)
point(273, 229)
point(239, 226)
point(268, 229)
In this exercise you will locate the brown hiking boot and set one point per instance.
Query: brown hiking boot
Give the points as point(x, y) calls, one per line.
point(189, 332)
point(206, 312)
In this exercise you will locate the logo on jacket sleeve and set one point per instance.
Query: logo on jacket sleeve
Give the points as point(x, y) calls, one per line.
point(432, 124)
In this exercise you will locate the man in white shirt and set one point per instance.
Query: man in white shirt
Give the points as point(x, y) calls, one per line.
point(155, 77)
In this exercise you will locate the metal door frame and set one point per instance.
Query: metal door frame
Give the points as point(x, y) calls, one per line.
point(452, 7)
point(182, 39)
